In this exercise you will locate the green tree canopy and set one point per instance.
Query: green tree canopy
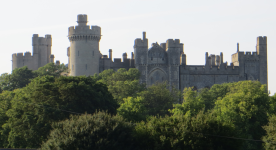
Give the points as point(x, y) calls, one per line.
point(19, 78)
point(51, 69)
point(99, 131)
point(122, 83)
point(245, 105)
point(133, 109)
point(5, 105)
point(270, 137)
point(155, 100)
point(180, 132)
point(48, 99)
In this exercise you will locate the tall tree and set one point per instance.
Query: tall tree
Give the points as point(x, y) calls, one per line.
point(98, 131)
point(246, 105)
point(180, 132)
point(19, 78)
point(270, 137)
point(51, 69)
point(48, 99)
point(121, 84)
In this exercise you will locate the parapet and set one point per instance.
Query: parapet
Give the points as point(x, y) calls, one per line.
point(27, 54)
point(82, 31)
point(47, 40)
point(117, 60)
point(174, 44)
point(141, 42)
point(163, 45)
point(86, 30)
point(17, 55)
point(261, 40)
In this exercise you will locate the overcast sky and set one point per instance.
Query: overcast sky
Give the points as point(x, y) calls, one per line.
point(212, 26)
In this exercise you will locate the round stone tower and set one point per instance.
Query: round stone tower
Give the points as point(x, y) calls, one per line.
point(84, 48)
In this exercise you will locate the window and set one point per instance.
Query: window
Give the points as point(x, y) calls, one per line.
point(72, 67)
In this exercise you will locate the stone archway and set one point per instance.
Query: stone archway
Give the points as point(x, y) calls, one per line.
point(157, 75)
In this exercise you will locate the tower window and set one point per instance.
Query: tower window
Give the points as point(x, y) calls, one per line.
point(151, 58)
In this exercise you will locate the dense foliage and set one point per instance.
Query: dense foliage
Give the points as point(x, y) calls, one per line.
point(99, 131)
point(35, 107)
point(112, 110)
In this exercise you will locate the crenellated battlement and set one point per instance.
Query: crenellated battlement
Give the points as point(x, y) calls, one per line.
point(261, 40)
point(83, 31)
point(47, 40)
point(220, 69)
point(26, 54)
point(170, 43)
point(141, 42)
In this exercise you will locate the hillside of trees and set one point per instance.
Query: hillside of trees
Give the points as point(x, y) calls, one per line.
point(112, 110)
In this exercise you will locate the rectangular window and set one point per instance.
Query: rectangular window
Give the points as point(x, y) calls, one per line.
point(72, 67)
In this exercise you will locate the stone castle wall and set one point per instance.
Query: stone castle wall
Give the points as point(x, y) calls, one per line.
point(167, 61)
point(40, 56)
point(159, 63)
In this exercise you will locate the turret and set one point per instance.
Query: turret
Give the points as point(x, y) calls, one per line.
point(82, 20)
point(124, 56)
point(84, 48)
point(262, 52)
point(206, 59)
point(110, 54)
point(141, 50)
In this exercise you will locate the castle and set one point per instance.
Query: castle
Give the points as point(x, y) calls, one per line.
point(42, 54)
point(160, 62)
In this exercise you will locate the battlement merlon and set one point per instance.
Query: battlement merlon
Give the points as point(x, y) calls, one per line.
point(141, 42)
point(47, 40)
point(26, 54)
point(174, 44)
point(84, 30)
point(262, 40)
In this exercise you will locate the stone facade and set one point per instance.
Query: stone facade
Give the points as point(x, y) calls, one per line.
point(160, 62)
point(165, 61)
point(84, 56)
point(42, 54)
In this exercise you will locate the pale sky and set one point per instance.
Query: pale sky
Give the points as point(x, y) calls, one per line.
point(212, 26)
